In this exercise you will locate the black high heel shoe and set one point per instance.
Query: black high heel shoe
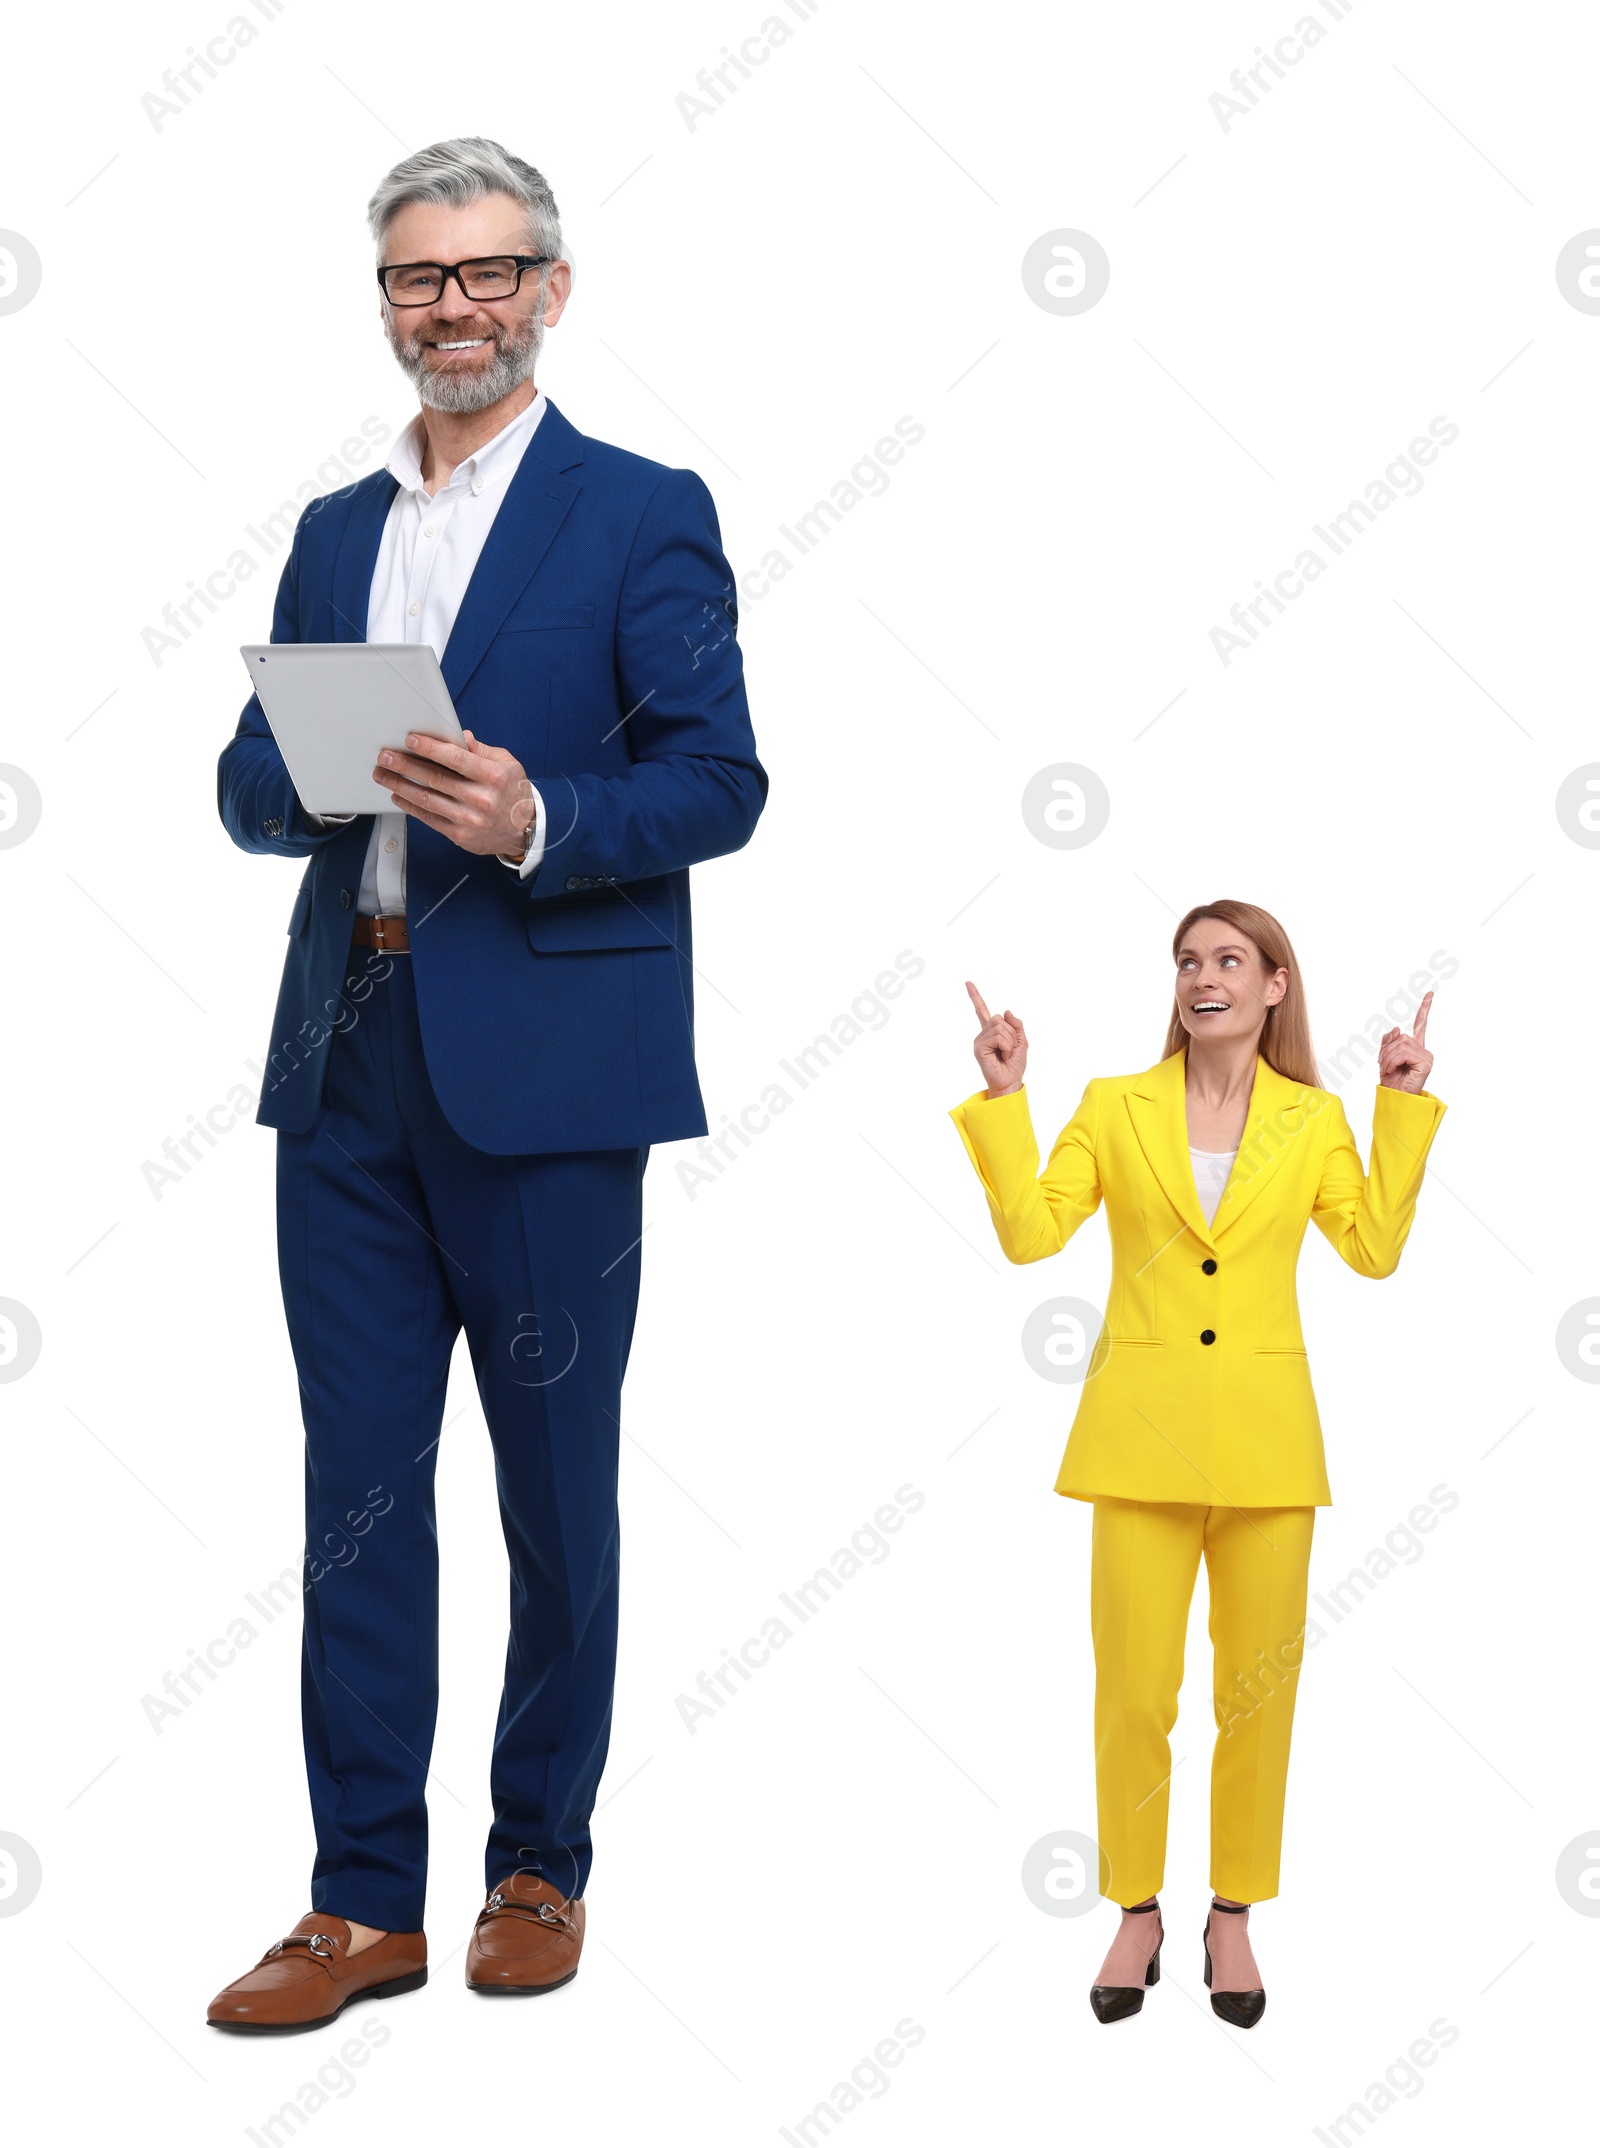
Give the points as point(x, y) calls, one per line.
point(1115, 2002)
point(1242, 2008)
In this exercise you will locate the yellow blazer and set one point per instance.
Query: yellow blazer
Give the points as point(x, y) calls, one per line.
point(1199, 1390)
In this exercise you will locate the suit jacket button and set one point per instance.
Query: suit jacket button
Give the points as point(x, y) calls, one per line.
point(571, 885)
point(1208, 1267)
point(345, 898)
point(1208, 1335)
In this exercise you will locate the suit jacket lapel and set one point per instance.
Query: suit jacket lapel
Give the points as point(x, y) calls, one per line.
point(358, 558)
point(1156, 1107)
point(1269, 1132)
point(1159, 1113)
point(548, 480)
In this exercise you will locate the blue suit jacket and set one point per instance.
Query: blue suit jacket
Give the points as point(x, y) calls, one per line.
point(596, 643)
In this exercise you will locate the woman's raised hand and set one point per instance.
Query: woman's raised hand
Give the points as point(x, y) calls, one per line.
point(1001, 1046)
point(1406, 1062)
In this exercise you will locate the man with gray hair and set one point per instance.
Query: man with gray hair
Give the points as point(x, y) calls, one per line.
point(485, 1019)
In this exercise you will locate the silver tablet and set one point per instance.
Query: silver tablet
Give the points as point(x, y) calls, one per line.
point(334, 705)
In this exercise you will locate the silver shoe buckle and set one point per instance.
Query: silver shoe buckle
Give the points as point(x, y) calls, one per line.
point(318, 1944)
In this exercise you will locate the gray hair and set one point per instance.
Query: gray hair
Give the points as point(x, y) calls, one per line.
point(452, 174)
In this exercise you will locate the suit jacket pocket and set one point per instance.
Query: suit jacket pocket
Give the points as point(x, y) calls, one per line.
point(541, 619)
point(641, 916)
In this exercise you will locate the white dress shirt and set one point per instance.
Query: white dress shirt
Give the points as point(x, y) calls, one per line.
point(431, 543)
point(1212, 1170)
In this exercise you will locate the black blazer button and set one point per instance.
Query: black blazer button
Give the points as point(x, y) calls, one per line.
point(1208, 1335)
point(1208, 1267)
point(345, 898)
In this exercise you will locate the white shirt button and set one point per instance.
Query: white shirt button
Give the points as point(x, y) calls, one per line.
point(391, 844)
point(427, 529)
point(477, 484)
point(416, 611)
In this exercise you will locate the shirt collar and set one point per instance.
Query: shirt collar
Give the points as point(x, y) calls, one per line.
point(482, 467)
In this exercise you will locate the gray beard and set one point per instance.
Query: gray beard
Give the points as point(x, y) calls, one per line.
point(460, 392)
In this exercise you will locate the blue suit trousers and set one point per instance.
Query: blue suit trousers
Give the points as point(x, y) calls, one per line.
point(394, 1234)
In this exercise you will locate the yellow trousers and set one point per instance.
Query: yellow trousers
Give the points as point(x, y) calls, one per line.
point(1145, 1560)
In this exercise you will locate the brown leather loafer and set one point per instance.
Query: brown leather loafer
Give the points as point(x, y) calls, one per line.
point(527, 1938)
point(308, 1978)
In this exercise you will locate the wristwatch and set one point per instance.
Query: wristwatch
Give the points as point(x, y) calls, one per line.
point(521, 857)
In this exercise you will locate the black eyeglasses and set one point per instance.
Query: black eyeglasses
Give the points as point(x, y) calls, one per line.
point(421, 283)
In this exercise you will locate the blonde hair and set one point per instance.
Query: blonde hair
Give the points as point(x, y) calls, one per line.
point(1285, 1040)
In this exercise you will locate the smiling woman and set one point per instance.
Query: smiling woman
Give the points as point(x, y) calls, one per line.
point(1198, 1434)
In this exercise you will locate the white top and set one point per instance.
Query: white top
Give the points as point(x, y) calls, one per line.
point(1212, 1169)
point(431, 544)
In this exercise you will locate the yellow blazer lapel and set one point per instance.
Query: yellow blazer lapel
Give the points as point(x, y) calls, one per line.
point(1277, 1114)
point(1160, 1120)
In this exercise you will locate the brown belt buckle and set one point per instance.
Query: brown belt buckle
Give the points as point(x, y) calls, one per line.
point(378, 941)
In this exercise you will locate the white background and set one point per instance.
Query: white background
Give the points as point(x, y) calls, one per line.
point(761, 297)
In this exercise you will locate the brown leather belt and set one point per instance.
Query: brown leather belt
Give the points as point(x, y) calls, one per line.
point(385, 933)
